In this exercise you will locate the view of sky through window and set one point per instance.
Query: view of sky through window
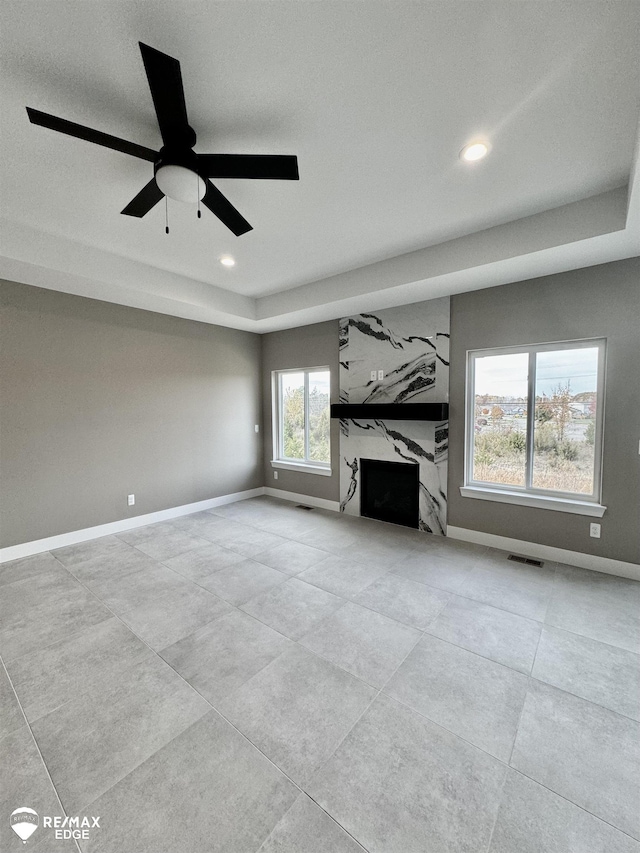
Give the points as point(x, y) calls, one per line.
point(562, 447)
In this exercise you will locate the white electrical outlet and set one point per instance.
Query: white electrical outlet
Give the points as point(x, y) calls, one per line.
point(373, 376)
point(275, 475)
point(131, 500)
point(257, 427)
point(381, 374)
point(594, 530)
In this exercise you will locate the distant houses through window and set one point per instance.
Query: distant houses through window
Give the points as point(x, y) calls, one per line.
point(535, 419)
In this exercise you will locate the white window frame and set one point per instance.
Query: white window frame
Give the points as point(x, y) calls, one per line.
point(306, 465)
point(528, 495)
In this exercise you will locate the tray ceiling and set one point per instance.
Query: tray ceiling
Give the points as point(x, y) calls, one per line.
point(375, 99)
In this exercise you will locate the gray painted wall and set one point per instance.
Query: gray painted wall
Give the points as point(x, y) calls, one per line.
point(307, 346)
point(98, 394)
point(99, 401)
point(602, 301)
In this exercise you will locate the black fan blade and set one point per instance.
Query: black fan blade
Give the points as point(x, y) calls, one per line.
point(167, 91)
point(147, 198)
point(279, 167)
point(86, 133)
point(225, 211)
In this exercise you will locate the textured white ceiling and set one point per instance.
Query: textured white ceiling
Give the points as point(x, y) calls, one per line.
point(376, 99)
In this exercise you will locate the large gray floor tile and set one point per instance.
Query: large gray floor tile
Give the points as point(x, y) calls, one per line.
point(433, 569)
point(162, 541)
point(104, 546)
point(251, 508)
point(400, 784)
point(514, 589)
point(406, 601)
point(495, 634)
point(533, 819)
point(50, 620)
point(255, 541)
point(327, 537)
point(244, 539)
point(111, 566)
point(473, 697)
point(291, 557)
point(451, 548)
point(220, 657)
point(197, 524)
point(207, 790)
point(11, 717)
point(376, 552)
point(293, 608)
point(242, 581)
point(285, 523)
point(583, 752)
point(604, 674)
point(48, 678)
point(173, 615)
point(342, 576)
point(596, 605)
point(21, 596)
point(255, 510)
point(100, 736)
point(307, 829)
point(27, 567)
point(445, 563)
point(24, 782)
point(202, 562)
point(132, 590)
point(297, 710)
point(365, 643)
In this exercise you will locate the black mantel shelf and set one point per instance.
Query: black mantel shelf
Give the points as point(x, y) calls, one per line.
point(391, 411)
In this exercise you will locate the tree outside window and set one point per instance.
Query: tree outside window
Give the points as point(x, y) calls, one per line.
point(304, 416)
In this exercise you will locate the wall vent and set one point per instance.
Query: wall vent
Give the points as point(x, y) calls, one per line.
point(527, 560)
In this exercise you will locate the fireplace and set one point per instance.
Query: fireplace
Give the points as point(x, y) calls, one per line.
point(390, 491)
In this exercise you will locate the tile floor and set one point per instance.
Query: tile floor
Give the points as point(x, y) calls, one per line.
point(264, 678)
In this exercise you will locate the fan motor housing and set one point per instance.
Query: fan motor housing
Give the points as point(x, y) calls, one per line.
point(177, 156)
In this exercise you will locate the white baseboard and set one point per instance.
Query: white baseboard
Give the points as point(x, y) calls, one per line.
point(547, 552)
point(27, 549)
point(307, 500)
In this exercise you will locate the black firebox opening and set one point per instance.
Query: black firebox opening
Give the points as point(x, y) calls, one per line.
point(389, 491)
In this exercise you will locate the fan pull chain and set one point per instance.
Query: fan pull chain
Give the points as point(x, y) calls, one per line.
point(198, 180)
point(166, 215)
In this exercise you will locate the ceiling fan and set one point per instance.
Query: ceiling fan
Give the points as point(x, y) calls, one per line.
point(179, 172)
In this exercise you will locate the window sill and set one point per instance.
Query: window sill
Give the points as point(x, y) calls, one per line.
point(303, 467)
point(576, 507)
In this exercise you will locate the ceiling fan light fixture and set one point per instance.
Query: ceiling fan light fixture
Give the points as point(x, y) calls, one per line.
point(181, 184)
point(474, 151)
point(179, 172)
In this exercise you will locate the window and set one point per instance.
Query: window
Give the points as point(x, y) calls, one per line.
point(301, 420)
point(534, 425)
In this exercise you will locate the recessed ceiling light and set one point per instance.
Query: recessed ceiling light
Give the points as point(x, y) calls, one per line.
point(227, 261)
point(474, 151)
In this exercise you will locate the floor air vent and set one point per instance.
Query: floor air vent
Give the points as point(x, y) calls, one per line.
point(302, 506)
point(527, 560)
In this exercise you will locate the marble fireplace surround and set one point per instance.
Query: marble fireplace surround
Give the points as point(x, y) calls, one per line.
point(411, 344)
